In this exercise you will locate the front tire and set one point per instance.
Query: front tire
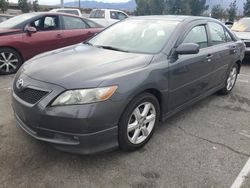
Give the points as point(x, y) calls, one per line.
point(10, 61)
point(138, 122)
point(231, 80)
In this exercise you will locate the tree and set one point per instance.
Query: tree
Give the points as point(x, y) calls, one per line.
point(4, 4)
point(247, 8)
point(36, 7)
point(232, 11)
point(198, 7)
point(24, 5)
point(155, 7)
point(177, 7)
point(142, 7)
point(218, 12)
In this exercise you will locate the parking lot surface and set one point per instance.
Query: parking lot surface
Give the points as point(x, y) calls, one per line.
point(206, 145)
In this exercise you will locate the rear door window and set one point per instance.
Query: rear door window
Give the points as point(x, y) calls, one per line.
point(71, 23)
point(197, 35)
point(217, 33)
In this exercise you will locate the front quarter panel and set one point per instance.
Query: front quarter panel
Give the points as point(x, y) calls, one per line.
point(132, 83)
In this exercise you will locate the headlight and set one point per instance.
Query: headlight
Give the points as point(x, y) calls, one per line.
point(84, 96)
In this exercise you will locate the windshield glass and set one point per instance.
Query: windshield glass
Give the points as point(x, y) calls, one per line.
point(142, 36)
point(13, 22)
point(243, 25)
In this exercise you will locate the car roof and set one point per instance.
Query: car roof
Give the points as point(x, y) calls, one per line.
point(65, 9)
point(180, 18)
point(52, 13)
point(108, 9)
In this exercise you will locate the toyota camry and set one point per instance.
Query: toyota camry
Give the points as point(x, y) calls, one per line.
point(113, 90)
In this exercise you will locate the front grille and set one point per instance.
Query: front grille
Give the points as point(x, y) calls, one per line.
point(247, 44)
point(30, 95)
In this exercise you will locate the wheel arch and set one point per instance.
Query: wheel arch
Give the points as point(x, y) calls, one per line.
point(239, 65)
point(15, 49)
point(156, 93)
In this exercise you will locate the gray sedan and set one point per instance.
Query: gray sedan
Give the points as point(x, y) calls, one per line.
point(113, 90)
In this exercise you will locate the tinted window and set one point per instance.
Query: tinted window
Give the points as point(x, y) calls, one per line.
point(197, 35)
point(92, 14)
point(217, 33)
point(144, 36)
point(117, 15)
point(97, 14)
point(92, 24)
point(46, 23)
point(121, 16)
point(73, 23)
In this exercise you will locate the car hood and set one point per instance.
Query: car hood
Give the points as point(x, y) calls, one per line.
point(82, 65)
point(9, 31)
point(243, 35)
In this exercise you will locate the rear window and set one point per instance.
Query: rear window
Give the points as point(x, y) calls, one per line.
point(97, 14)
point(75, 12)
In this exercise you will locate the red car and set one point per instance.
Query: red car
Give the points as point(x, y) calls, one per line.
point(27, 35)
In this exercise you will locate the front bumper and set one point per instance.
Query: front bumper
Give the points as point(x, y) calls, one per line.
point(83, 129)
point(75, 143)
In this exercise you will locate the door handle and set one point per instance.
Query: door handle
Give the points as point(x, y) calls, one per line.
point(209, 57)
point(59, 36)
point(234, 49)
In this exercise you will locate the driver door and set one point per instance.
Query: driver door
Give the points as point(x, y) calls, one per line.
point(48, 36)
point(190, 75)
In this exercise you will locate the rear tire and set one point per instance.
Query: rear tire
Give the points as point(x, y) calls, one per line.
point(10, 61)
point(231, 80)
point(138, 122)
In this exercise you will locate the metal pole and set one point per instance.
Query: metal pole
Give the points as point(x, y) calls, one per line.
point(62, 3)
point(79, 4)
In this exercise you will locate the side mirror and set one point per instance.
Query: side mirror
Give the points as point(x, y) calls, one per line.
point(188, 48)
point(30, 30)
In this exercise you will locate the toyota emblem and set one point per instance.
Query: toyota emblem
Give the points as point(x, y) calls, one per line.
point(19, 83)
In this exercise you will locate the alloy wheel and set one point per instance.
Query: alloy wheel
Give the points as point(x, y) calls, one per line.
point(141, 123)
point(231, 78)
point(8, 62)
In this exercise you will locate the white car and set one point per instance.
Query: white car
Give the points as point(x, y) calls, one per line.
point(68, 11)
point(242, 31)
point(107, 17)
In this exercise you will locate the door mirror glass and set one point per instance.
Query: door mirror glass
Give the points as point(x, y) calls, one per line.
point(30, 29)
point(188, 48)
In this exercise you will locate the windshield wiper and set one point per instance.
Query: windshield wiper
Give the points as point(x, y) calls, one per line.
point(112, 48)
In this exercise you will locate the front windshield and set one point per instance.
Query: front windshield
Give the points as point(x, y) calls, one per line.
point(141, 36)
point(13, 22)
point(243, 25)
